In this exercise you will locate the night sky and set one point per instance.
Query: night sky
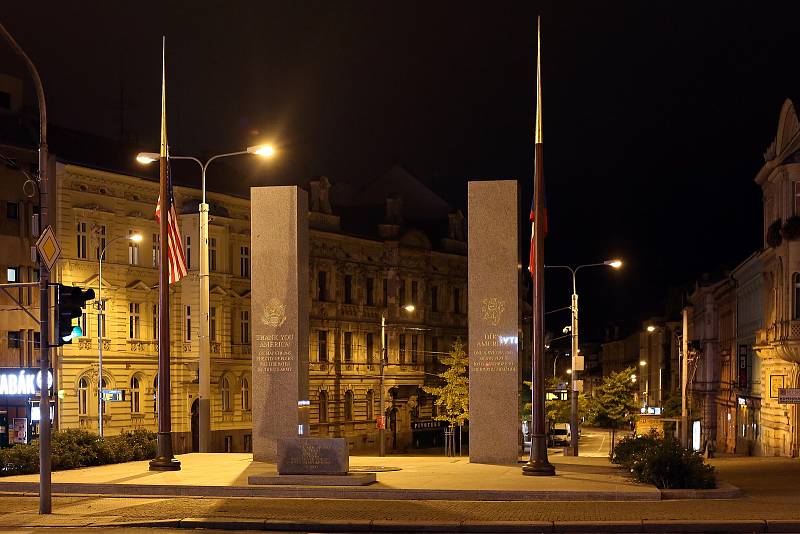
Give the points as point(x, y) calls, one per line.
point(655, 117)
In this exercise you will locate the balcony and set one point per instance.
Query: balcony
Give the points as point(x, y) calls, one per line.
point(783, 338)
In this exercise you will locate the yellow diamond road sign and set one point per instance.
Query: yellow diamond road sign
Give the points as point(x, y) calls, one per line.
point(48, 247)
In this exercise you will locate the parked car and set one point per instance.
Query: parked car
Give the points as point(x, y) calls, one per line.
point(559, 435)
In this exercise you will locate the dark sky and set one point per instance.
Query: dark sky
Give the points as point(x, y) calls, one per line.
point(655, 117)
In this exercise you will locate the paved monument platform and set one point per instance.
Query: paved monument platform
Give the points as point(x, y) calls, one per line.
point(418, 477)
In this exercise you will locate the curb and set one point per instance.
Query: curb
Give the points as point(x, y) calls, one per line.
point(544, 527)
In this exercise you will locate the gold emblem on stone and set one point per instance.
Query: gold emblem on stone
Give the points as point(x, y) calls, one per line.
point(492, 309)
point(274, 313)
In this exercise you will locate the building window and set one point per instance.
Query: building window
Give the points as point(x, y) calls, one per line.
point(796, 280)
point(226, 394)
point(348, 289)
point(245, 394)
point(101, 327)
point(402, 350)
point(212, 323)
point(135, 396)
point(414, 347)
point(348, 405)
point(370, 291)
point(188, 333)
point(12, 274)
point(245, 324)
point(14, 340)
point(244, 262)
point(370, 405)
point(212, 253)
point(402, 293)
point(797, 198)
point(322, 286)
point(155, 395)
point(228, 443)
point(414, 292)
point(322, 346)
point(156, 249)
point(133, 249)
point(81, 240)
point(370, 349)
point(100, 235)
point(348, 346)
point(134, 321)
point(323, 407)
point(83, 396)
point(457, 300)
point(385, 292)
point(248, 443)
point(155, 321)
point(434, 298)
point(188, 252)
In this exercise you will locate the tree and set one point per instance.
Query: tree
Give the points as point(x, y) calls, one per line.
point(614, 404)
point(452, 397)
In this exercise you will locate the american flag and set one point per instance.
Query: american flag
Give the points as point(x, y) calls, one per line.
point(177, 260)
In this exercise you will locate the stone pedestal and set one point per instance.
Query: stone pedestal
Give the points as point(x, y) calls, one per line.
point(493, 292)
point(313, 456)
point(279, 315)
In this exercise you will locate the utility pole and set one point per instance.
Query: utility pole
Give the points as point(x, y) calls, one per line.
point(45, 501)
point(684, 379)
point(573, 414)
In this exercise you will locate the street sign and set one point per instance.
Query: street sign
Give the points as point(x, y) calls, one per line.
point(577, 363)
point(48, 247)
point(788, 395)
point(113, 395)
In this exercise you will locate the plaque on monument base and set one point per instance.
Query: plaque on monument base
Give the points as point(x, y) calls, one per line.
point(313, 456)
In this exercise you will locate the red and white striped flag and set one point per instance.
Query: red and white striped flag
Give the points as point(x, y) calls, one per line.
point(177, 260)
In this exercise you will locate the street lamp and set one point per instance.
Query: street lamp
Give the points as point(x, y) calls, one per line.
point(204, 404)
point(555, 360)
point(136, 238)
point(382, 430)
point(615, 264)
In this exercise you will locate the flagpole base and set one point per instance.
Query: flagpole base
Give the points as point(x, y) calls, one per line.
point(165, 460)
point(539, 469)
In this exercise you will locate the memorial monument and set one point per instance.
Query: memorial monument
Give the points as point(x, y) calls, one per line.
point(279, 304)
point(494, 372)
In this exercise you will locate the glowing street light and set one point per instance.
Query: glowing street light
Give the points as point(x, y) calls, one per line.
point(642, 363)
point(651, 328)
point(616, 264)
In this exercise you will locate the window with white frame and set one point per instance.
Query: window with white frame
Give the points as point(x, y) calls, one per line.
point(81, 240)
point(133, 249)
point(188, 252)
point(188, 333)
point(244, 262)
point(136, 406)
point(212, 253)
point(245, 327)
point(134, 321)
point(212, 323)
point(156, 249)
point(83, 396)
point(245, 394)
point(225, 386)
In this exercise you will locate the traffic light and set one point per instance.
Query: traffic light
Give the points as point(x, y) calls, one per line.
point(69, 301)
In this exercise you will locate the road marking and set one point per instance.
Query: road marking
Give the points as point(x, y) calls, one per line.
point(600, 448)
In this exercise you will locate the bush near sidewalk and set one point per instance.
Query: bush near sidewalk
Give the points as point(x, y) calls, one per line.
point(662, 461)
point(73, 448)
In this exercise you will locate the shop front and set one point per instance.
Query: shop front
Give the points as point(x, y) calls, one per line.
point(19, 404)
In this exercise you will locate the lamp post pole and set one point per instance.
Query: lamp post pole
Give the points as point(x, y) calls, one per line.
point(573, 415)
point(382, 429)
point(204, 364)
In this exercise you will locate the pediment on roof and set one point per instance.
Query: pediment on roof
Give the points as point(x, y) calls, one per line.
point(217, 290)
point(138, 284)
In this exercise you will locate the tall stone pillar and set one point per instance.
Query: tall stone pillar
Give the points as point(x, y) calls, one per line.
point(494, 373)
point(279, 315)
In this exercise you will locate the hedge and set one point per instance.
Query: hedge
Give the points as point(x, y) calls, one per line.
point(73, 448)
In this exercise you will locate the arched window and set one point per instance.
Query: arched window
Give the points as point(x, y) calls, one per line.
point(323, 407)
point(83, 396)
point(348, 405)
point(796, 281)
point(370, 405)
point(245, 394)
point(135, 395)
point(226, 394)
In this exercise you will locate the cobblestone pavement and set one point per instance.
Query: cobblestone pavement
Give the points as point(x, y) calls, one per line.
point(770, 485)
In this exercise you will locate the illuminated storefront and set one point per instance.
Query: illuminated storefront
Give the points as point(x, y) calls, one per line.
point(19, 404)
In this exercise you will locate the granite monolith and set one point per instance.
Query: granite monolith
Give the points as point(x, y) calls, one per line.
point(493, 293)
point(279, 315)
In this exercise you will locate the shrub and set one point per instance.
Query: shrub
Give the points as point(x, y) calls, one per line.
point(664, 463)
point(74, 448)
point(632, 447)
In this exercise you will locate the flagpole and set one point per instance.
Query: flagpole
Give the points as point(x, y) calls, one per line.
point(164, 460)
point(538, 464)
